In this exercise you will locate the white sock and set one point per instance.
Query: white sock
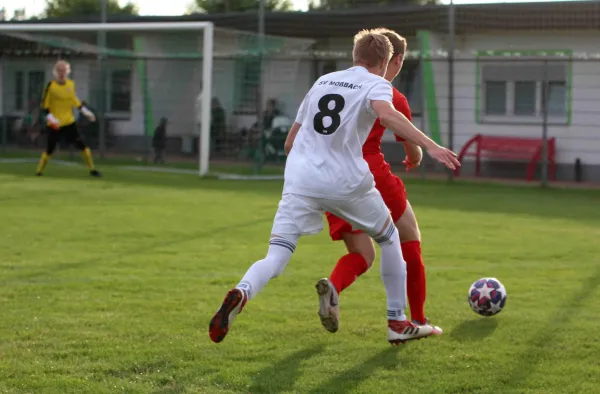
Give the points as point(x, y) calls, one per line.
point(279, 254)
point(393, 272)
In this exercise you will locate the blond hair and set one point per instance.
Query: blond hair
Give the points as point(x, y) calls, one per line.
point(58, 64)
point(398, 42)
point(371, 48)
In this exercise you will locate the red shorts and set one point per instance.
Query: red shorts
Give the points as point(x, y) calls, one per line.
point(394, 195)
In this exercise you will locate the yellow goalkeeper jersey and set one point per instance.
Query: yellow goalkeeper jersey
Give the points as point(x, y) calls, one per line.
point(59, 100)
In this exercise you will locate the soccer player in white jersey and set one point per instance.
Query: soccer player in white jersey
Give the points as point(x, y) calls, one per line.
point(325, 171)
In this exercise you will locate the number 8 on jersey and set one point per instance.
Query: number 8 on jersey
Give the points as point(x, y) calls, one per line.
point(332, 113)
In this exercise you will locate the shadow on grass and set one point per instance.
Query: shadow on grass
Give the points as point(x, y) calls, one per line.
point(348, 380)
point(562, 322)
point(475, 329)
point(458, 196)
point(281, 374)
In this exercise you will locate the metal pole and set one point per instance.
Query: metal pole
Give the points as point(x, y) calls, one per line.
point(207, 74)
point(147, 131)
point(451, 42)
point(101, 94)
point(545, 92)
point(3, 113)
point(260, 93)
point(423, 104)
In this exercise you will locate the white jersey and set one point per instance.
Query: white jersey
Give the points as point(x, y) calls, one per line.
point(336, 118)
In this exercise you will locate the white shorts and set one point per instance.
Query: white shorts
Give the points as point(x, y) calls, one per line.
point(302, 215)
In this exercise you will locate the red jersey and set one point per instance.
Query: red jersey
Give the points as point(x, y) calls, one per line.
point(372, 146)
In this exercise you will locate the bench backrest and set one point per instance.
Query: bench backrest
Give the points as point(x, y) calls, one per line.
point(510, 144)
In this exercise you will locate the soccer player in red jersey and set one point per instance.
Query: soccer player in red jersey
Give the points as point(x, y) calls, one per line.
point(361, 251)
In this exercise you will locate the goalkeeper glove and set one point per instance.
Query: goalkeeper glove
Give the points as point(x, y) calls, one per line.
point(52, 122)
point(87, 113)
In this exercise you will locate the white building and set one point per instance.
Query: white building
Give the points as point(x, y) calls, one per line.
point(503, 55)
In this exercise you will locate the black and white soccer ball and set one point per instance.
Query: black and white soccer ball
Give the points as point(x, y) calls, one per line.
point(487, 296)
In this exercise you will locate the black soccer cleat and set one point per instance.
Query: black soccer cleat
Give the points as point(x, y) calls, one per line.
point(39, 173)
point(95, 173)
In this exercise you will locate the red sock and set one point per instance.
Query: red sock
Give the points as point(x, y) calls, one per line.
point(415, 279)
point(347, 269)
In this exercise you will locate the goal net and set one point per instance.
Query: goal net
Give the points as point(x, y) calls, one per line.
point(172, 96)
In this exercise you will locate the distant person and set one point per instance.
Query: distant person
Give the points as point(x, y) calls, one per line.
point(159, 141)
point(218, 126)
point(270, 113)
point(58, 102)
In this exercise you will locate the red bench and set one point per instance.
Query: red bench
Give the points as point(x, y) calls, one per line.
point(513, 148)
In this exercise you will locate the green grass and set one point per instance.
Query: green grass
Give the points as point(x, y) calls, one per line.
point(108, 286)
point(190, 162)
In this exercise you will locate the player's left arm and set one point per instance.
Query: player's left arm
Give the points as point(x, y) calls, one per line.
point(414, 153)
point(81, 105)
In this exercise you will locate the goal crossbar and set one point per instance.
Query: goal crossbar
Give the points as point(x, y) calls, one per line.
point(112, 26)
point(207, 58)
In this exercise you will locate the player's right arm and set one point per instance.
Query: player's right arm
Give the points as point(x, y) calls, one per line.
point(402, 127)
point(51, 120)
point(289, 140)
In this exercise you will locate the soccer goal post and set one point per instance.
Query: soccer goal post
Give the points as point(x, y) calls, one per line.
point(182, 67)
point(227, 97)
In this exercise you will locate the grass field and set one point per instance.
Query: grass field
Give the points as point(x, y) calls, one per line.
point(108, 286)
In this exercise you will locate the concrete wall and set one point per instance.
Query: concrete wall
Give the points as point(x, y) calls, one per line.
point(579, 139)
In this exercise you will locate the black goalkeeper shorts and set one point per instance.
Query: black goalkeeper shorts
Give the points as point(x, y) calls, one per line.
point(68, 134)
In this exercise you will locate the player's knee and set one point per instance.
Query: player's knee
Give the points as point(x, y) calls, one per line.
point(369, 256)
point(360, 244)
point(280, 252)
point(388, 235)
point(408, 228)
point(408, 232)
point(80, 145)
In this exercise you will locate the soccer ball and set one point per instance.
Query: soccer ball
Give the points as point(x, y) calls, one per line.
point(487, 296)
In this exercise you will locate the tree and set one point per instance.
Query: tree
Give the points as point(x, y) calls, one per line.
point(222, 6)
point(58, 8)
point(354, 4)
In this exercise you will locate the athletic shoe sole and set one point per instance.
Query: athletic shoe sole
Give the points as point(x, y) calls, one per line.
point(328, 319)
point(219, 324)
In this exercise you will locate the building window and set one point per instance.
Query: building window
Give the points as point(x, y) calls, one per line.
point(495, 98)
point(35, 85)
point(327, 67)
point(409, 84)
point(29, 87)
point(120, 91)
point(514, 91)
point(19, 91)
point(248, 72)
point(557, 98)
point(525, 98)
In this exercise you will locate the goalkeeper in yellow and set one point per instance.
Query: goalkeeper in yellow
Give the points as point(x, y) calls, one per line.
point(58, 102)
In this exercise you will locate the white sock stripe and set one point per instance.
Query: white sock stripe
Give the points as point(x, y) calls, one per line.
point(283, 243)
point(247, 287)
point(388, 234)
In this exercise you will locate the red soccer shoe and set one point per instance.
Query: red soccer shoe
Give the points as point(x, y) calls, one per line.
point(221, 322)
